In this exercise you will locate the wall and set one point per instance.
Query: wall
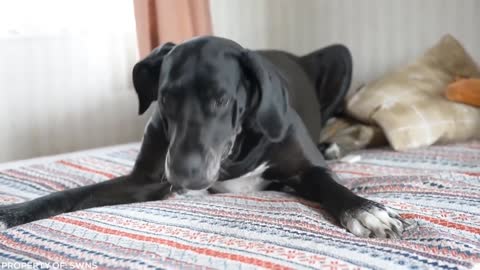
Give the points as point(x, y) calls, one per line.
point(381, 34)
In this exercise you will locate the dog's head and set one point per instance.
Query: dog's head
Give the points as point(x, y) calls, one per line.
point(205, 90)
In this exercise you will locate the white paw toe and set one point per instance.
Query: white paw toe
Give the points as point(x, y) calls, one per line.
point(373, 220)
point(3, 226)
point(354, 226)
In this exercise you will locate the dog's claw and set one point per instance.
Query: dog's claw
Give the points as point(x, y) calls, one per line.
point(397, 229)
point(392, 234)
point(409, 225)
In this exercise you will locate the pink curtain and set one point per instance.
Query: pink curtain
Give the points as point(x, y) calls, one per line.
point(160, 21)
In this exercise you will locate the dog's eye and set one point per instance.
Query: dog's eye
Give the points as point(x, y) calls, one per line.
point(163, 99)
point(219, 103)
point(222, 101)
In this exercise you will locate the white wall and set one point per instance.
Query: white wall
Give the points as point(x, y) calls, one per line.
point(65, 78)
point(381, 34)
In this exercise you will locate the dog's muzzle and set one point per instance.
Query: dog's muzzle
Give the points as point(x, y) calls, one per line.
point(192, 171)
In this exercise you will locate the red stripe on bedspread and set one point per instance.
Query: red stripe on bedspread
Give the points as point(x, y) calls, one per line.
point(443, 222)
point(82, 168)
point(158, 240)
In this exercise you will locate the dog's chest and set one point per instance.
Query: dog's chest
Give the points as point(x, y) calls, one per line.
point(249, 182)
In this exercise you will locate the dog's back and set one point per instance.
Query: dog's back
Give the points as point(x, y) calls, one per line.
point(302, 94)
point(316, 88)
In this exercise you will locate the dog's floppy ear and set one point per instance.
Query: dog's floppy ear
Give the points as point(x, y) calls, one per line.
point(271, 89)
point(146, 74)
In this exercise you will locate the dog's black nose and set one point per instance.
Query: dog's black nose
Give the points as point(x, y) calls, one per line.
point(193, 163)
point(189, 166)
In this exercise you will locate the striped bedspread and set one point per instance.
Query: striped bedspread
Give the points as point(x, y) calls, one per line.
point(438, 188)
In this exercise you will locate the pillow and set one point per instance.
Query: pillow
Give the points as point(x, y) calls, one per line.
point(465, 91)
point(409, 104)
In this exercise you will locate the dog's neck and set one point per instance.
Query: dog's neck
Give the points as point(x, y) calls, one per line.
point(247, 153)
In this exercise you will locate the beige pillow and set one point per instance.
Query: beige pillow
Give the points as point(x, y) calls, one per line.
point(410, 106)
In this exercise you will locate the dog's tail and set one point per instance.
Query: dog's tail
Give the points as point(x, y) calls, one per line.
point(330, 69)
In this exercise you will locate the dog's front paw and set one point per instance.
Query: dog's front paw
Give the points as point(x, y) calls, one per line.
point(11, 215)
point(330, 151)
point(373, 220)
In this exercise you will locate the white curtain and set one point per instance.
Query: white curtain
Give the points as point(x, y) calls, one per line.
point(65, 76)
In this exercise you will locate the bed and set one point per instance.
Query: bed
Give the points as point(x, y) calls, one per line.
point(436, 188)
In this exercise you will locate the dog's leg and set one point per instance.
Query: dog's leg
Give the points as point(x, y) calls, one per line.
point(121, 190)
point(331, 70)
point(360, 216)
point(297, 163)
point(145, 183)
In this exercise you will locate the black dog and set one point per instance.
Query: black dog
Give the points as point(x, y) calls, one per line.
point(222, 111)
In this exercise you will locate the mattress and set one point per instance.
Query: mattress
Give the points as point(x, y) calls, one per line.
point(437, 188)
